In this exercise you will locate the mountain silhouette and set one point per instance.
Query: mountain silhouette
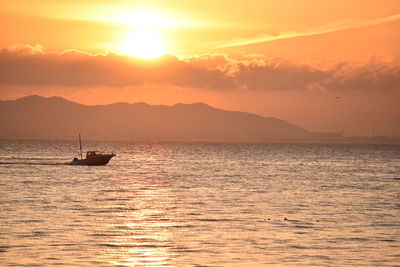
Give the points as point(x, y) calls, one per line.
point(36, 117)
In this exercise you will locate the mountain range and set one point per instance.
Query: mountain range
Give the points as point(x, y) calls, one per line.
point(36, 117)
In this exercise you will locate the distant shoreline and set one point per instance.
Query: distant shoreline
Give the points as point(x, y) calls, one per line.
point(55, 118)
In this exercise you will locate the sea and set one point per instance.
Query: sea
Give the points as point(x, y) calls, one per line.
point(200, 204)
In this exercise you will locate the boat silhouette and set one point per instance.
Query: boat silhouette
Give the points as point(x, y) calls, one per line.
point(93, 158)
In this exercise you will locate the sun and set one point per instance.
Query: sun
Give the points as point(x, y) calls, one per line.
point(143, 44)
point(145, 39)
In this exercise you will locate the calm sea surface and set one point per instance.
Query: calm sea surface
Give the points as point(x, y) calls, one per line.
point(200, 204)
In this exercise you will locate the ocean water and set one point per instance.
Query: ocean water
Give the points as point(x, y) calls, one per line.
point(200, 204)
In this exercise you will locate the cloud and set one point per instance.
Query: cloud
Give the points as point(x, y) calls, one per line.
point(373, 75)
point(327, 29)
point(34, 66)
point(27, 66)
point(211, 62)
point(26, 49)
point(278, 74)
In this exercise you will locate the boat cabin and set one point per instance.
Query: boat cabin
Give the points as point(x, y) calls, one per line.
point(92, 154)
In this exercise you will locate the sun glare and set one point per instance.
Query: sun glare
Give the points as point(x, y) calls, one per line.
point(144, 44)
point(145, 40)
point(146, 19)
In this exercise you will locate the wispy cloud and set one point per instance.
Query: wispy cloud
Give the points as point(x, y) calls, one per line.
point(287, 35)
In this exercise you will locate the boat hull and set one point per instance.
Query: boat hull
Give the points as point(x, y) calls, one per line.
point(97, 160)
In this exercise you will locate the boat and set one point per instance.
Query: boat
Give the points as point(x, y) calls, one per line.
point(93, 158)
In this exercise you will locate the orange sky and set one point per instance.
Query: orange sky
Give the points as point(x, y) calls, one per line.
point(324, 65)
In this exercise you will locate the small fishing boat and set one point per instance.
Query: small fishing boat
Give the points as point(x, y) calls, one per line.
point(93, 158)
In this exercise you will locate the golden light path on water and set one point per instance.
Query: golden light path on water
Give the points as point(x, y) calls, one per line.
point(142, 232)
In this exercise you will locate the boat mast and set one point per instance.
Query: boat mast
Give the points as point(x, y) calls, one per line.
point(80, 144)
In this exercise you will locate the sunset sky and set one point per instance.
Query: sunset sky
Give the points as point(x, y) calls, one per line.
point(323, 65)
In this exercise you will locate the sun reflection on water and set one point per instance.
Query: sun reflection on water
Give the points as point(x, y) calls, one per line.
point(142, 235)
point(148, 259)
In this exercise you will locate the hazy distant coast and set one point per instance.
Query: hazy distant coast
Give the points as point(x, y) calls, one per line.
point(36, 117)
